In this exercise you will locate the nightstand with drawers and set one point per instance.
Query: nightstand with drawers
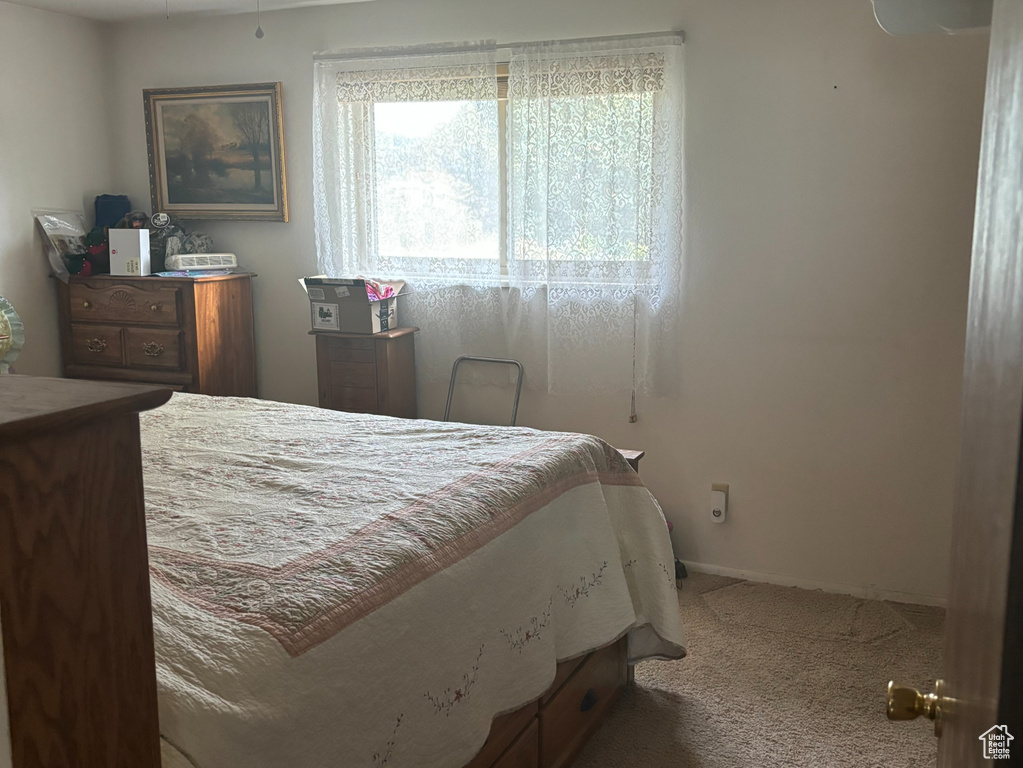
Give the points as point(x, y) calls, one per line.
point(367, 373)
point(190, 334)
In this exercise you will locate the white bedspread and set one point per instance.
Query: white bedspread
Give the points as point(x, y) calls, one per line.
point(333, 589)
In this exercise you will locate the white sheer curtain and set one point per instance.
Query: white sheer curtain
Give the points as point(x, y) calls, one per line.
point(374, 164)
point(595, 210)
point(560, 246)
point(407, 185)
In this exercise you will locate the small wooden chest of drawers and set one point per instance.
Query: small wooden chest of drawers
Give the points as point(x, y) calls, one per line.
point(190, 334)
point(366, 373)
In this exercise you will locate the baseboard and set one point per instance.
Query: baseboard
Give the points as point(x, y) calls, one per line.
point(870, 593)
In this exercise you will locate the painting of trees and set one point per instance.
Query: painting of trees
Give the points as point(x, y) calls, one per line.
point(217, 151)
point(197, 143)
point(252, 119)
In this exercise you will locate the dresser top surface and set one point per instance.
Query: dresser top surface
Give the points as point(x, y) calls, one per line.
point(394, 333)
point(30, 405)
point(156, 279)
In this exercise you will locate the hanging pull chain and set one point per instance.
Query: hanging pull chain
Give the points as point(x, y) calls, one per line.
point(633, 416)
point(259, 27)
point(166, 4)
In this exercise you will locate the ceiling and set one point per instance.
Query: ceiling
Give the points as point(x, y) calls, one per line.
point(115, 10)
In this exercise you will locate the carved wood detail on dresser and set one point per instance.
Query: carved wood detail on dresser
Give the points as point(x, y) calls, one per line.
point(190, 334)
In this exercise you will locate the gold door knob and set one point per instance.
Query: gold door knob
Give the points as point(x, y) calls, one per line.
point(908, 703)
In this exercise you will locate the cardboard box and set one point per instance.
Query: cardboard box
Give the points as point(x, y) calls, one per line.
point(342, 304)
point(129, 252)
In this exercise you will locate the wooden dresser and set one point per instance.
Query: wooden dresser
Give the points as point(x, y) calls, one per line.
point(74, 574)
point(367, 373)
point(190, 334)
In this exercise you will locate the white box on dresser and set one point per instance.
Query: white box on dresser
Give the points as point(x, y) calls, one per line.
point(129, 252)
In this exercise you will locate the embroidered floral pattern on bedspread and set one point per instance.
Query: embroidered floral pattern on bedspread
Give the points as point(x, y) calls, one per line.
point(582, 589)
point(301, 521)
point(444, 702)
point(522, 636)
point(384, 757)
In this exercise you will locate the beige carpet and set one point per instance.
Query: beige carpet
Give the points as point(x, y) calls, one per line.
point(777, 676)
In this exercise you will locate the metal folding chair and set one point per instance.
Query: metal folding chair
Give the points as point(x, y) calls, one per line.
point(475, 359)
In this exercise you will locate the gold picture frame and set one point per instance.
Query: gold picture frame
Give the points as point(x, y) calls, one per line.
point(217, 152)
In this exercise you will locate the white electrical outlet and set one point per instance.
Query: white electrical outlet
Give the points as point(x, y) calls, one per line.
point(718, 502)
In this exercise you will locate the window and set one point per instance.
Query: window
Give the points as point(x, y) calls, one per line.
point(441, 178)
point(581, 163)
point(438, 193)
point(557, 176)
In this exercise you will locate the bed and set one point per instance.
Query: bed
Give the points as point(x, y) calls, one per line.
point(334, 589)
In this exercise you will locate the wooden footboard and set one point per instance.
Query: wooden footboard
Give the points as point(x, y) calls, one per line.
point(550, 732)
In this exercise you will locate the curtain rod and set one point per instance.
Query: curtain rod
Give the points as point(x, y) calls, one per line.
point(680, 34)
point(455, 48)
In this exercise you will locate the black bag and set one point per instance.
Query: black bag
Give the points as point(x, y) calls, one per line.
point(110, 209)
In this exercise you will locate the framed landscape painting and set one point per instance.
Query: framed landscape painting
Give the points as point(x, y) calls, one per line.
point(217, 152)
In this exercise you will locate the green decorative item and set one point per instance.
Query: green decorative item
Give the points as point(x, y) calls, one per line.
point(12, 335)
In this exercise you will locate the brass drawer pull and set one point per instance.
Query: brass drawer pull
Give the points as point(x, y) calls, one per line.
point(154, 307)
point(152, 349)
point(96, 345)
point(86, 304)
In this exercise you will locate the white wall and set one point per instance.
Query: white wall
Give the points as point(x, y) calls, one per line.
point(53, 154)
point(831, 177)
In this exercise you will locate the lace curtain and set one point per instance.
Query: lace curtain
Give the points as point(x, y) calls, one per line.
point(595, 214)
point(407, 185)
point(373, 164)
point(560, 246)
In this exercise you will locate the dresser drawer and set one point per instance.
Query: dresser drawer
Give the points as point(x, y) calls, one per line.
point(355, 399)
point(564, 671)
point(343, 343)
point(568, 719)
point(504, 732)
point(362, 375)
point(96, 345)
point(349, 355)
point(522, 753)
point(125, 303)
point(154, 348)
